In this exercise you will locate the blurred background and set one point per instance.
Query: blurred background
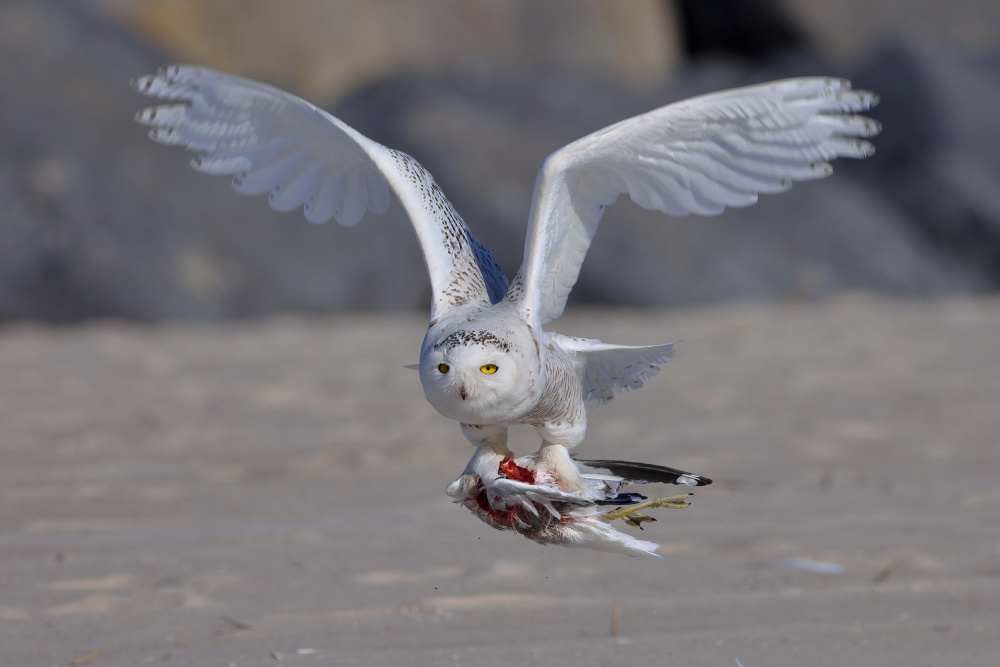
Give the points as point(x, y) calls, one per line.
point(270, 489)
point(98, 222)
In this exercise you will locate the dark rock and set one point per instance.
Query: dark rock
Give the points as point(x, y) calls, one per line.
point(100, 222)
point(939, 153)
point(747, 28)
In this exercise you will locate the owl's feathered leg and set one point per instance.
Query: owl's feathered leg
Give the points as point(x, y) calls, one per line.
point(557, 459)
point(559, 435)
point(493, 438)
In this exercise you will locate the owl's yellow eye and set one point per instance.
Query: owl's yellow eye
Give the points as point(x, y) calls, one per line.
point(489, 369)
point(444, 368)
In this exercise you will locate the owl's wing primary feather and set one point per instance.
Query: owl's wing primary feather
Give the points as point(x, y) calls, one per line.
point(276, 143)
point(696, 156)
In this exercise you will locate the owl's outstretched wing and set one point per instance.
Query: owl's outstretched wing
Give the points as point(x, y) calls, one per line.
point(611, 369)
point(696, 156)
point(276, 143)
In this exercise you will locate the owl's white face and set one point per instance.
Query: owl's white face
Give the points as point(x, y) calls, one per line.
point(477, 377)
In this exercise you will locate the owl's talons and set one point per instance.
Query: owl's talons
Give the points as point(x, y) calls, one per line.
point(632, 517)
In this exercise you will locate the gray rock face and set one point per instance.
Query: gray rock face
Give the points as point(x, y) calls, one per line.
point(939, 154)
point(99, 222)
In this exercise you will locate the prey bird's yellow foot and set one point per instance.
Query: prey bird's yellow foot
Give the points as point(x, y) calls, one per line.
point(631, 516)
point(635, 520)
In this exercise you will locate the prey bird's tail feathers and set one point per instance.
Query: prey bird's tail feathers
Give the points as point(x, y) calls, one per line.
point(642, 473)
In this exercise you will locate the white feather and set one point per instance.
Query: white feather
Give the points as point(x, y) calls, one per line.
point(696, 156)
point(611, 369)
point(276, 143)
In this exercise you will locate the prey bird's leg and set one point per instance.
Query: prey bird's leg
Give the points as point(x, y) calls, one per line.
point(630, 514)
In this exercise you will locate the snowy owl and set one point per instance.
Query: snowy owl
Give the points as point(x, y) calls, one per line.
point(486, 361)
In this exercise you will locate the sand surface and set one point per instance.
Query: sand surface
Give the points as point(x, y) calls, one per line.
point(265, 494)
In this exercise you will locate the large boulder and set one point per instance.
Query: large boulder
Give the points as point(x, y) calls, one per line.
point(939, 153)
point(100, 222)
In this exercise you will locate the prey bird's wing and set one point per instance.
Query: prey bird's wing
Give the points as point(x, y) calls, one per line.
point(643, 473)
point(508, 488)
point(696, 156)
point(276, 143)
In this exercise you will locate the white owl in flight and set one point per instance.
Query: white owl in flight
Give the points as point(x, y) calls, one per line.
point(486, 361)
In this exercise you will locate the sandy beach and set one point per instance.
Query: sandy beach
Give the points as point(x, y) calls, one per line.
point(273, 493)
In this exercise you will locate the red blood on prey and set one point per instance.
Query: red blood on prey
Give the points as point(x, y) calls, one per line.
point(511, 470)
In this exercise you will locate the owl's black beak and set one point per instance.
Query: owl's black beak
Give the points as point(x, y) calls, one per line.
point(461, 392)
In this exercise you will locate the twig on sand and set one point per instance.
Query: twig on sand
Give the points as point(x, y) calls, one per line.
point(236, 624)
point(615, 614)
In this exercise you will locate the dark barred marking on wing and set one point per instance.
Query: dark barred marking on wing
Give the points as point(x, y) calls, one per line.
point(465, 283)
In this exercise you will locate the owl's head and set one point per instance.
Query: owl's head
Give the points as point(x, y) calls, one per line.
point(478, 376)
